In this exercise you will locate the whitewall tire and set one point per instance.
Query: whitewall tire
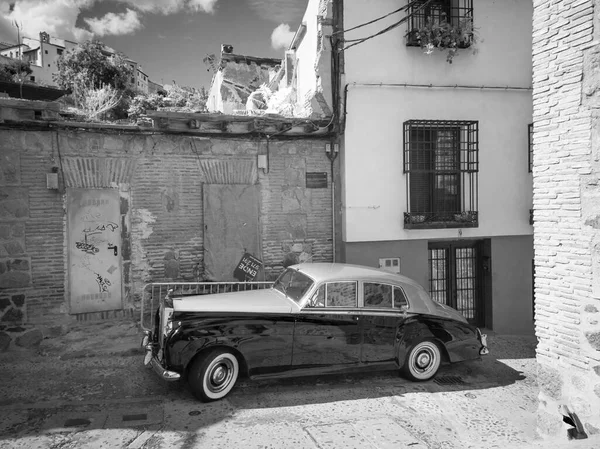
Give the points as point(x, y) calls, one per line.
point(213, 375)
point(422, 361)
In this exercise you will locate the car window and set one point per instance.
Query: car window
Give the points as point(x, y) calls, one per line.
point(334, 294)
point(378, 295)
point(293, 284)
point(341, 294)
point(318, 298)
point(400, 301)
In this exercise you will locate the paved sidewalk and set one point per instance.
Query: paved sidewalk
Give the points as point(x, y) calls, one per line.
point(89, 389)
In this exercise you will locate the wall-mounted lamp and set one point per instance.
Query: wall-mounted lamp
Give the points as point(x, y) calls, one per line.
point(52, 179)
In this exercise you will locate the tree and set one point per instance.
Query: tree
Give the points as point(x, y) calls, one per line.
point(175, 98)
point(14, 70)
point(91, 63)
point(90, 70)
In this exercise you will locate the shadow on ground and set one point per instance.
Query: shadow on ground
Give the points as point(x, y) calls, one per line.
point(74, 382)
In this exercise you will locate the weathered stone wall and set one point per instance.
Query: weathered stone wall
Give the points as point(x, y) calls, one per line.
point(566, 173)
point(160, 179)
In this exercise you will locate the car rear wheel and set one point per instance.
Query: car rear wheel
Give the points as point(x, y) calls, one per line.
point(213, 375)
point(422, 361)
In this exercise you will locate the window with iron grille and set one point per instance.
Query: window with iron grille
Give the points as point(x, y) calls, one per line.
point(530, 142)
point(424, 14)
point(441, 162)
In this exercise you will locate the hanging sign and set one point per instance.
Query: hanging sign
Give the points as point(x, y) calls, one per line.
point(248, 267)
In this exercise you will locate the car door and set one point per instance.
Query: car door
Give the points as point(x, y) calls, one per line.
point(327, 330)
point(383, 308)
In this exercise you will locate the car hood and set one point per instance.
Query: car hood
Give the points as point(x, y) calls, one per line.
point(253, 301)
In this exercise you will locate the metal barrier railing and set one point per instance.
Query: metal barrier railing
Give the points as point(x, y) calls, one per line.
point(154, 291)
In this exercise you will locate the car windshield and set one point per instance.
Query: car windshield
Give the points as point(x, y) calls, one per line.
point(293, 284)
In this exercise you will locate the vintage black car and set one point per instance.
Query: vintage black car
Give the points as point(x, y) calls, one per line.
point(317, 318)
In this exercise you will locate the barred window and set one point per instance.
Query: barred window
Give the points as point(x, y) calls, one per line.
point(530, 143)
point(424, 13)
point(441, 163)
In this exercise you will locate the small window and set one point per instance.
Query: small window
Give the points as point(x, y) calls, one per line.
point(378, 295)
point(46, 51)
point(59, 51)
point(32, 78)
point(132, 80)
point(400, 301)
point(530, 144)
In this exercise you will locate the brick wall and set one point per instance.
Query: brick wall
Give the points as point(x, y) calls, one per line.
point(566, 171)
point(160, 178)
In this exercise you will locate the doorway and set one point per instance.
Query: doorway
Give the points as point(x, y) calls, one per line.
point(231, 228)
point(94, 250)
point(456, 277)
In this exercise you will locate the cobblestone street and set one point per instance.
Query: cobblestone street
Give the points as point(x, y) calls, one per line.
point(86, 398)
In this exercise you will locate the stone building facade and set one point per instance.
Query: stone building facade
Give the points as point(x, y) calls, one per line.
point(177, 200)
point(566, 183)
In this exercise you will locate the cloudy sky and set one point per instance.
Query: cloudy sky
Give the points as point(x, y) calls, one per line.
point(169, 38)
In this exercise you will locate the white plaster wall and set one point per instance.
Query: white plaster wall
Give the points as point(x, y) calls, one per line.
point(504, 30)
point(374, 197)
point(306, 53)
point(214, 102)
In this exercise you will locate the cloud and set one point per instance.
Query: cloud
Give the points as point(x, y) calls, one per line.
point(115, 24)
point(282, 36)
point(202, 5)
point(56, 17)
point(167, 7)
point(279, 11)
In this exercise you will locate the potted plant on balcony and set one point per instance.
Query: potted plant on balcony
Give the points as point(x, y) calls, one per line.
point(443, 35)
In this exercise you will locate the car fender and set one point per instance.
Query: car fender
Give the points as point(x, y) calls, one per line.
point(458, 341)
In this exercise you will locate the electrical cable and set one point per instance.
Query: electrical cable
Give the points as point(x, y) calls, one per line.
point(410, 4)
point(389, 28)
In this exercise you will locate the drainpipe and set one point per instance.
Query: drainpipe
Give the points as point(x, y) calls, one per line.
point(332, 150)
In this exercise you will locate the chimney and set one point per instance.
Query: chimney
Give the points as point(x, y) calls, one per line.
point(226, 48)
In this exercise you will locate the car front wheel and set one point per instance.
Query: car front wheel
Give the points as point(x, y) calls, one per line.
point(212, 376)
point(422, 361)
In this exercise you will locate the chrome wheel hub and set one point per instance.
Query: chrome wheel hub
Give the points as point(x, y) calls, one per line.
point(219, 374)
point(423, 360)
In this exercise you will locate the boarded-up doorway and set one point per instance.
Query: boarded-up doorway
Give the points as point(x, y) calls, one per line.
point(231, 228)
point(94, 250)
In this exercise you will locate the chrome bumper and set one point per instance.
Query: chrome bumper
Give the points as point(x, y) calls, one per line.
point(152, 360)
point(483, 340)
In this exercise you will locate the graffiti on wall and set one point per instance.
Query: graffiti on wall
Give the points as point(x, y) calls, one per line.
point(94, 236)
